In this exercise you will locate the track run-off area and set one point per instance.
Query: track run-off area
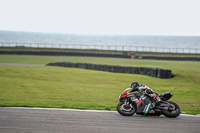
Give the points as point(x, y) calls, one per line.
point(52, 120)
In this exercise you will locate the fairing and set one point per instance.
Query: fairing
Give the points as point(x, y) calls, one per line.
point(166, 96)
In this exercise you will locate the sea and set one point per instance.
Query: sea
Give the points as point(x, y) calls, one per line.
point(140, 41)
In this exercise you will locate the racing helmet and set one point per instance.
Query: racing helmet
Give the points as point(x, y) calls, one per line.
point(134, 84)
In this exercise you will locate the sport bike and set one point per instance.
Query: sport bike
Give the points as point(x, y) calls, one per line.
point(142, 104)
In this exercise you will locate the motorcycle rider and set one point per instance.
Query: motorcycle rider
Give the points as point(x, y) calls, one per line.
point(135, 86)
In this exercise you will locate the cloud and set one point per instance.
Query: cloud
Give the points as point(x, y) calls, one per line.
point(170, 17)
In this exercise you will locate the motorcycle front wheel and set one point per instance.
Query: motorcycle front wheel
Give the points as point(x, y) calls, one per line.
point(126, 110)
point(172, 112)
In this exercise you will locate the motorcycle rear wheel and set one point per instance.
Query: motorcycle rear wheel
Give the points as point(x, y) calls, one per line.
point(126, 111)
point(172, 113)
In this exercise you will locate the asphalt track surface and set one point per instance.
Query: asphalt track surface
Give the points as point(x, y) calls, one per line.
point(39, 120)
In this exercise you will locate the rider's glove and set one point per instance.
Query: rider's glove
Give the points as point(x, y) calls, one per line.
point(142, 88)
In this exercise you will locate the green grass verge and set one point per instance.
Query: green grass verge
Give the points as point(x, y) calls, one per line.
point(42, 86)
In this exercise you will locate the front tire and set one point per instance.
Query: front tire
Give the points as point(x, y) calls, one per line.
point(124, 110)
point(172, 113)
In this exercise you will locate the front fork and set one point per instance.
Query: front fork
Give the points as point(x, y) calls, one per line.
point(127, 106)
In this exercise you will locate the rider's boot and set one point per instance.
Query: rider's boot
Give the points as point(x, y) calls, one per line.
point(156, 98)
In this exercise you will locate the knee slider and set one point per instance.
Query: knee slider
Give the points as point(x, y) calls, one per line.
point(148, 91)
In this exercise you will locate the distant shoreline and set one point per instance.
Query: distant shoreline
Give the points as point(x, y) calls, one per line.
point(110, 40)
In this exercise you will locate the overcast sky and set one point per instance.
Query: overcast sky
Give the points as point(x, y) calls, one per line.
point(136, 17)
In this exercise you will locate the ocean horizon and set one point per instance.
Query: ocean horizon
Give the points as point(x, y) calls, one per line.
point(98, 40)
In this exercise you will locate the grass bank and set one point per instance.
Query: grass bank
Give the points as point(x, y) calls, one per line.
point(42, 86)
point(138, 53)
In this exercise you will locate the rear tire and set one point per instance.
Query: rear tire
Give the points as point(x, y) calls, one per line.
point(126, 111)
point(172, 113)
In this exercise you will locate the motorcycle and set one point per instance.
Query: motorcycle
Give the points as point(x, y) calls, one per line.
point(142, 104)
